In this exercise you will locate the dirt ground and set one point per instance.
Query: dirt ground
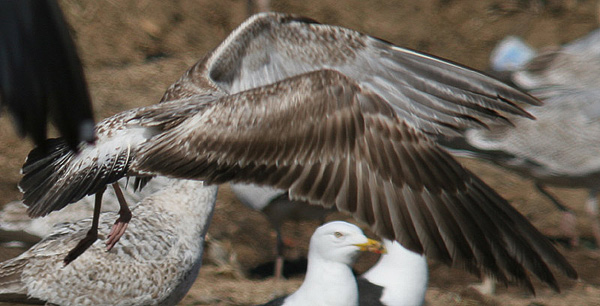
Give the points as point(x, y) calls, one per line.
point(133, 49)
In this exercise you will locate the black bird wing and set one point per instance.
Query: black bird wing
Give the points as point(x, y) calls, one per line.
point(41, 74)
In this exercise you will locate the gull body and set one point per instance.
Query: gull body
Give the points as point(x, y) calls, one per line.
point(156, 262)
point(329, 280)
point(399, 278)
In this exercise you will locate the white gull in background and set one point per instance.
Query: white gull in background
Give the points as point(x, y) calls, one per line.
point(155, 263)
point(399, 278)
point(333, 249)
point(278, 208)
point(336, 118)
point(561, 147)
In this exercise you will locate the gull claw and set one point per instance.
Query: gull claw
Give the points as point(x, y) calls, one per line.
point(118, 229)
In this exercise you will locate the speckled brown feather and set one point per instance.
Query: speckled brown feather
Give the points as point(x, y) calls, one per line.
point(329, 141)
point(340, 118)
point(155, 263)
point(53, 180)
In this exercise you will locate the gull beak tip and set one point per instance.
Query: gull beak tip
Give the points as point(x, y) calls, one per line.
point(373, 246)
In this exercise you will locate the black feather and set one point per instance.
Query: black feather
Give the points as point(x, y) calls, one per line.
point(41, 74)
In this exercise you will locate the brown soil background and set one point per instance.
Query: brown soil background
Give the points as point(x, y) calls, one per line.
point(132, 50)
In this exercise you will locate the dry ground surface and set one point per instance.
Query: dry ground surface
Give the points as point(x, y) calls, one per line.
point(132, 50)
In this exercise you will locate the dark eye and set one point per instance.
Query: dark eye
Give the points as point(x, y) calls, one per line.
point(338, 234)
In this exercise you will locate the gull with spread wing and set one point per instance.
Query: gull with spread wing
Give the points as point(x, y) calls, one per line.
point(335, 117)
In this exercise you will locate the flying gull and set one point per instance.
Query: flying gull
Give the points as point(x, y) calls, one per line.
point(333, 116)
point(329, 280)
point(156, 263)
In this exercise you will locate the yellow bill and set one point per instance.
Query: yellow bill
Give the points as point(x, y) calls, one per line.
point(372, 246)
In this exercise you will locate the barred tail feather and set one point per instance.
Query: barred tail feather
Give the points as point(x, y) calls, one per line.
point(55, 176)
point(40, 172)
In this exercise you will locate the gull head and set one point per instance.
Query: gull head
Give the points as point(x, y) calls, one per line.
point(341, 242)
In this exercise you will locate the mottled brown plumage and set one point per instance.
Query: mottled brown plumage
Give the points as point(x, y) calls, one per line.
point(156, 263)
point(336, 118)
point(349, 148)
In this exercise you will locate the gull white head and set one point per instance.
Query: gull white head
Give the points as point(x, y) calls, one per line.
point(341, 242)
point(329, 280)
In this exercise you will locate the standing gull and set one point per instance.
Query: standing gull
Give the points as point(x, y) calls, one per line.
point(561, 147)
point(399, 278)
point(278, 208)
point(329, 280)
point(335, 117)
point(156, 263)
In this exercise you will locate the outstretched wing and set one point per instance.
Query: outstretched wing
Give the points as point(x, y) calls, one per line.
point(330, 141)
point(430, 94)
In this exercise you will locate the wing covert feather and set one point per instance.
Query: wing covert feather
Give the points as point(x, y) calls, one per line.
point(433, 95)
point(382, 171)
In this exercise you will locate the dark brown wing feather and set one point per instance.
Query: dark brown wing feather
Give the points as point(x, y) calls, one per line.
point(329, 141)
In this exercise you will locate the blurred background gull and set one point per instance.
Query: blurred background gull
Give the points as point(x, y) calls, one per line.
point(561, 147)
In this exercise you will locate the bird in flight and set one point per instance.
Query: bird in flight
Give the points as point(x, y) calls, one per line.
point(333, 116)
